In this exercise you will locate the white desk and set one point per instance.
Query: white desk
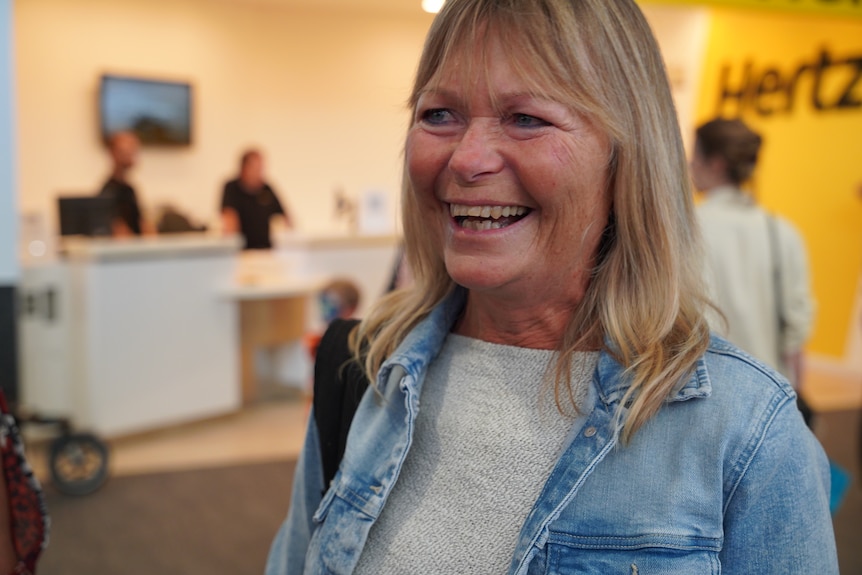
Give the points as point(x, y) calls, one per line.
point(272, 313)
point(138, 339)
point(149, 332)
point(275, 290)
point(368, 261)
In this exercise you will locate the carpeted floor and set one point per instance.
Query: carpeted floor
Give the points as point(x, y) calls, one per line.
point(209, 521)
point(221, 521)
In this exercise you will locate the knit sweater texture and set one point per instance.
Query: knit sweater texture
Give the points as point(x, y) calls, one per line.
point(486, 439)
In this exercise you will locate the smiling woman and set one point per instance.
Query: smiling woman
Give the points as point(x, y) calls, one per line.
point(534, 393)
point(493, 141)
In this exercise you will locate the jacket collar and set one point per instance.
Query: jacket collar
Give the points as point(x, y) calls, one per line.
point(424, 341)
point(613, 381)
point(422, 344)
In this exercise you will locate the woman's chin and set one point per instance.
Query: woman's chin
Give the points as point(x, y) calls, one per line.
point(475, 278)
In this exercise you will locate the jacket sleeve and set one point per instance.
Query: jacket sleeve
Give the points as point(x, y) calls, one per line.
point(288, 550)
point(798, 302)
point(777, 517)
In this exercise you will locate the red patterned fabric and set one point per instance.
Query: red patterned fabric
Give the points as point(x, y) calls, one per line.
point(27, 510)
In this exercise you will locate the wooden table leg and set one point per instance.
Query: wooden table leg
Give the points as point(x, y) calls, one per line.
point(267, 323)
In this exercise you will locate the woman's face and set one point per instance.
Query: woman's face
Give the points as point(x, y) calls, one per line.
point(518, 191)
point(252, 172)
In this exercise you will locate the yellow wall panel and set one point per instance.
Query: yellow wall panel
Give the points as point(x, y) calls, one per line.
point(842, 8)
point(797, 79)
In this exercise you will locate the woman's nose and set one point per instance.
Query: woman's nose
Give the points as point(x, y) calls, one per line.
point(477, 153)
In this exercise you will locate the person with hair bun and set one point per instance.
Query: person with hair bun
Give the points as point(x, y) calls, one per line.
point(545, 396)
point(757, 266)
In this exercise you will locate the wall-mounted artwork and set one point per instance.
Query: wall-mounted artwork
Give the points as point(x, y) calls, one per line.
point(158, 111)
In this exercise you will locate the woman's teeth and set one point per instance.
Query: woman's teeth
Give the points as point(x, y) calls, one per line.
point(460, 210)
point(480, 218)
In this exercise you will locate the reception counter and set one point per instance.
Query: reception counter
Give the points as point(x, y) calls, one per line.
point(276, 290)
point(135, 335)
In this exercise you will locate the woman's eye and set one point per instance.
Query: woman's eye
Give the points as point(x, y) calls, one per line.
point(436, 116)
point(527, 121)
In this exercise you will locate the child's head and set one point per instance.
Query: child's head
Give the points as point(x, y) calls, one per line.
point(338, 299)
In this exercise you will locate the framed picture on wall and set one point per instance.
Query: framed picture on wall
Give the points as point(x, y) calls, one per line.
point(158, 111)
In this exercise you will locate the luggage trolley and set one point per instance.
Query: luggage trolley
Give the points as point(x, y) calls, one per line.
point(77, 461)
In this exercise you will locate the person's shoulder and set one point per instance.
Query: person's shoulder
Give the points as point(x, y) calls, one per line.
point(114, 188)
point(231, 190)
point(746, 401)
point(787, 229)
point(109, 188)
point(738, 376)
point(269, 190)
point(752, 413)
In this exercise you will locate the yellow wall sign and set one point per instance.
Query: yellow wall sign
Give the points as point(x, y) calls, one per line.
point(798, 81)
point(826, 7)
point(824, 80)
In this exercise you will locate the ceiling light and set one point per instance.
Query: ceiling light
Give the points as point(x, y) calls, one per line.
point(432, 6)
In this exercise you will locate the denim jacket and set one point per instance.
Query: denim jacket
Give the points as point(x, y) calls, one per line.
point(725, 478)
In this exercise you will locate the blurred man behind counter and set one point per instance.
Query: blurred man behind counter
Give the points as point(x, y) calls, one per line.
point(123, 149)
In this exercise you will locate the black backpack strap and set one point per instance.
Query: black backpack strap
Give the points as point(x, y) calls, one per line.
point(339, 384)
point(775, 254)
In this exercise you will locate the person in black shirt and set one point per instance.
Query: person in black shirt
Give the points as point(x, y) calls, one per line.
point(123, 147)
point(248, 204)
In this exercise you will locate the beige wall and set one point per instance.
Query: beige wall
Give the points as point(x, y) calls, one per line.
point(809, 168)
point(681, 32)
point(322, 93)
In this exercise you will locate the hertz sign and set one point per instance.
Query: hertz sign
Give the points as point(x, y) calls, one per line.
point(825, 82)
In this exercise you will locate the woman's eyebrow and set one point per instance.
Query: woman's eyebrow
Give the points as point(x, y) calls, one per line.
point(438, 92)
point(502, 100)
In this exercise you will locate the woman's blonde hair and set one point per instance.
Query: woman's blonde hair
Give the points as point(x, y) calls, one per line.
point(645, 299)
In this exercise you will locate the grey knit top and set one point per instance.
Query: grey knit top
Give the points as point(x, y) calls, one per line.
point(486, 439)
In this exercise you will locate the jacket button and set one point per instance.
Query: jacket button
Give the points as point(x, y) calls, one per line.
point(590, 431)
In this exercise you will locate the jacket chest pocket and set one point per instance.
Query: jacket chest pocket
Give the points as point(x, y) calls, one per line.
point(634, 555)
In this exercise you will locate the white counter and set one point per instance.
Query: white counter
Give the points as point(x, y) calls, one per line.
point(145, 333)
point(367, 261)
point(139, 337)
point(148, 247)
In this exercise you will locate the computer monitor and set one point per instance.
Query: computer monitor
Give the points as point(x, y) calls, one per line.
point(86, 215)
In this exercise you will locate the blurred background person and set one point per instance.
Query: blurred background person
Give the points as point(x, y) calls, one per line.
point(338, 299)
point(250, 206)
point(123, 149)
point(757, 264)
